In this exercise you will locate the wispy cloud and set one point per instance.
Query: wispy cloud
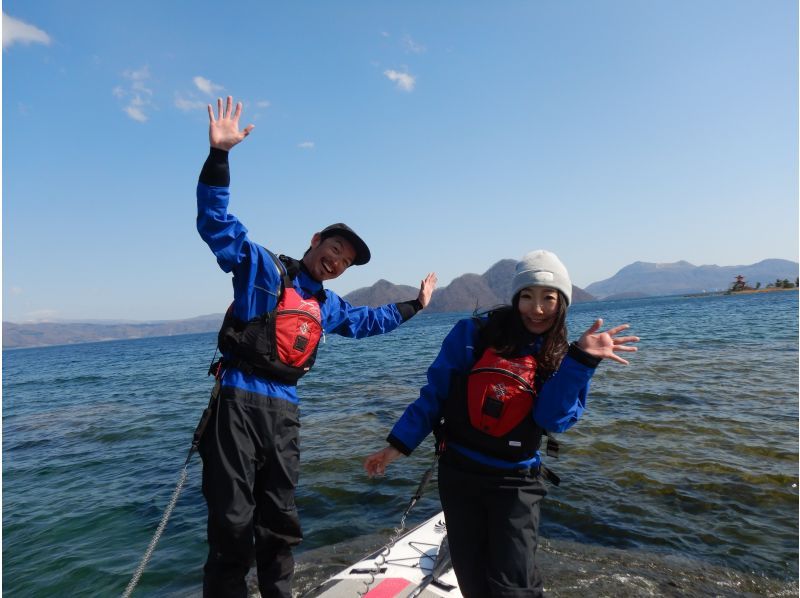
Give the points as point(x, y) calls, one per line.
point(136, 110)
point(189, 104)
point(404, 81)
point(16, 31)
point(412, 46)
point(190, 100)
point(16, 290)
point(306, 145)
point(136, 94)
point(206, 86)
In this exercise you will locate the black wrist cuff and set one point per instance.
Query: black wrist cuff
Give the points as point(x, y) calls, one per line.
point(398, 445)
point(216, 170)
point(408, 309)
point(581, 356)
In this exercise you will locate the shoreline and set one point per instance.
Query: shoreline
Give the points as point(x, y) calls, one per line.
point(744, 292)
point(752, 291)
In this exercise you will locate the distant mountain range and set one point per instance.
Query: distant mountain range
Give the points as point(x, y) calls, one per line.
point(67, 333)
point(643, 279)
point(466, 293)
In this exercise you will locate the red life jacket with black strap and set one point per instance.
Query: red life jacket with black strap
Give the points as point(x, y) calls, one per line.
point(280, 344)
point(491, 408)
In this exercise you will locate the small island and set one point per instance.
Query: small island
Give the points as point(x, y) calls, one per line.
point(740, 286)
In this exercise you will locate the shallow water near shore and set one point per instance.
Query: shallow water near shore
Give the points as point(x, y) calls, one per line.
point(680, 479)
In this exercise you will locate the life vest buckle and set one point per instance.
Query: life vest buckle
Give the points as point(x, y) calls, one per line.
point(552, 446)
point(215, 368)
point(549, 475)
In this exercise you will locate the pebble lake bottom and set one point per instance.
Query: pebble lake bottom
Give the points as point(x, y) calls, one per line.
point(679, 480)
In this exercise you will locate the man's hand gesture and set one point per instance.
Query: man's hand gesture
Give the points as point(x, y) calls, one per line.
point(223, 131)
point(426, 288)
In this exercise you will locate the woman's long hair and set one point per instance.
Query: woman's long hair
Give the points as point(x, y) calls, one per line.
point(507, 335)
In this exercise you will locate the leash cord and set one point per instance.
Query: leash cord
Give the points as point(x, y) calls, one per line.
point(380, 560)
point(198, 433)
point(161, 527)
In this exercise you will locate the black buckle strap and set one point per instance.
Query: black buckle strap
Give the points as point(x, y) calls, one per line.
point(215, 368)
point(552, 446)
point(549, 475)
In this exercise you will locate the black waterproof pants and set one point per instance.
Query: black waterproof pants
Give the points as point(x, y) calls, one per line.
point(492, 525)
point(251, 456)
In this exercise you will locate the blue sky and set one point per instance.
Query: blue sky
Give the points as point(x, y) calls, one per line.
point(450, 135)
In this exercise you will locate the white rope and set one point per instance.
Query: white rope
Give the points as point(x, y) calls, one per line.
point(161, 526)
point(380, 560)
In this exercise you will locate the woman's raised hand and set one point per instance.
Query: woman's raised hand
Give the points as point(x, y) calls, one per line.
point(607, 344)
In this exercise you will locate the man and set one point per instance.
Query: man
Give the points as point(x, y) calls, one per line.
point(250, 448)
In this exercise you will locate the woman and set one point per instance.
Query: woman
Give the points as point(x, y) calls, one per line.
point(498, 384)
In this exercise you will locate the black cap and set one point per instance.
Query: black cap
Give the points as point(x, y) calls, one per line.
point(341, 229)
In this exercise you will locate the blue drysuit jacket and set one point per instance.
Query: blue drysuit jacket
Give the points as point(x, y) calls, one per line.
point(257, 281)
point(560, 401)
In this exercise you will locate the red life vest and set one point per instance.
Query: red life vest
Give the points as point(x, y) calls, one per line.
point(280, 344)
point(298, 329)
point(491, 410)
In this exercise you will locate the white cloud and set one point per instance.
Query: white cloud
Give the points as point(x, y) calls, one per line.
point(189, 104)
point(136, 111)
point(16, 290)
point(16, 31)
point(306, 145)
point(207, 86)
point(404, 81)
point(138, 78)
point(412, 46)
point(136, 94)
point(263, 104)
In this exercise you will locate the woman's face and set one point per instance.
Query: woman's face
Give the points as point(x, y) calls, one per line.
point(538, 307)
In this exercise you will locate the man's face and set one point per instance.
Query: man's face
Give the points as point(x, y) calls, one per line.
point(328, 258)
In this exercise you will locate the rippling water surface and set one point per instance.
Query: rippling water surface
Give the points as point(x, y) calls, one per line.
point(684, 466)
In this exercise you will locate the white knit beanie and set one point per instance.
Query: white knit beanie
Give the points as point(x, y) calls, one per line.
point(542, 268)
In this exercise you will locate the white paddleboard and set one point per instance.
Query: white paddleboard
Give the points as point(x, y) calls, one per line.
point(410, 569)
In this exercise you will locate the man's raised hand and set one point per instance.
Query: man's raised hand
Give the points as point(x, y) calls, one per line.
point(426, 289)
point(223, 131)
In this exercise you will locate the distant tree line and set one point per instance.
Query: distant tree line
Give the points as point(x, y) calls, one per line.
point(740, 284)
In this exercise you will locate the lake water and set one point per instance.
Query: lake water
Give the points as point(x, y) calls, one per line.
point(680, 479)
